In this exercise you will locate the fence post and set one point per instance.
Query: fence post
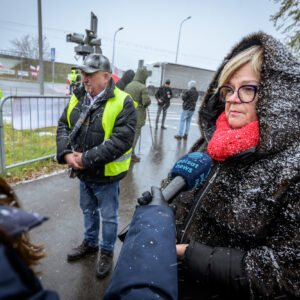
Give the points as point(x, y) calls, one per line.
point(2, 155)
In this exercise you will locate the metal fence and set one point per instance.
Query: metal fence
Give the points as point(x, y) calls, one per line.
point(28, 129)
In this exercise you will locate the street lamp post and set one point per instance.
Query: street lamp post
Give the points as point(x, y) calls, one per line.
point(179, 36)
point(113, 54)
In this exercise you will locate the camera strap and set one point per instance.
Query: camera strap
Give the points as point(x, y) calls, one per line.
point(86, 110)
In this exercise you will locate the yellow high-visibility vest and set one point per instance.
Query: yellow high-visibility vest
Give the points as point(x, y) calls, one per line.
point(73, 76)
point(111, 111)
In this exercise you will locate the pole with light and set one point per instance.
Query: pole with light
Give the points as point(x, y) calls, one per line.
point(179, 36)
point(113, 54)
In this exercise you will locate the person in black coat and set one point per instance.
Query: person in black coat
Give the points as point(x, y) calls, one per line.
point(189, 99)
point(163, 97)
point(94, 137)
point(238, 235)
point(126, 78)
point(17, 253)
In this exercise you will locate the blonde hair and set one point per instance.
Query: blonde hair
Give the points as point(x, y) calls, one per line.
point(252, 55)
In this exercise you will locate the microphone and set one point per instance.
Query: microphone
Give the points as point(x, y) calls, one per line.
point(189, 172)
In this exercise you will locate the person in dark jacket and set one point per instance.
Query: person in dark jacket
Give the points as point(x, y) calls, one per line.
point(147, 266)
point(238, 234)
point(94, 137)
point(189, 99)
point(126, 78)
point(163, 97)
point(138, 91)
point(17, 253)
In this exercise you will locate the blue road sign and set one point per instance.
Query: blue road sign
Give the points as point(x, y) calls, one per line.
point(53, 54)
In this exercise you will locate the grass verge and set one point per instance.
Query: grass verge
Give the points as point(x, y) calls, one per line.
point(24, 145)
point(32, 171)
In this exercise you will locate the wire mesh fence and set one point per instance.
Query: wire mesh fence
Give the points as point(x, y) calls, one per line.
point(28, 129)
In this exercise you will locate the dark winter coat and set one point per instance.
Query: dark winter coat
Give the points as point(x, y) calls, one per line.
point(126, 78)
point(244, 234)
point(138, 91)
point(164, 96)
point(17, 281)
point(146, 267)
point(96, 151)
point(190, 98)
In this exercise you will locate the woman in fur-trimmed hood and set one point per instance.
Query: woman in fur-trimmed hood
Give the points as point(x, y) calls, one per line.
point(239, 233)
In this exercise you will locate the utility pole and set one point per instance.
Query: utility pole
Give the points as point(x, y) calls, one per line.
point(41, 62)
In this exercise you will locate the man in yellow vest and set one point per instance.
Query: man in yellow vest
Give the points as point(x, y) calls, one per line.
point(94, 137)
point(74, 79)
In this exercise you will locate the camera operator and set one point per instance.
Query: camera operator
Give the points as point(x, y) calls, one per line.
point(147, 265)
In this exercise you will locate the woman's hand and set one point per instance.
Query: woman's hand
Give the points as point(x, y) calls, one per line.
point(180, 249)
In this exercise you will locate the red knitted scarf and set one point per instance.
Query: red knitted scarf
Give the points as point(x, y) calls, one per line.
point(227, 142)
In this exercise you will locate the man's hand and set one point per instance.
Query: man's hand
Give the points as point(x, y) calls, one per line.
point(74, 160)
point(78, 159)
point(180, 249)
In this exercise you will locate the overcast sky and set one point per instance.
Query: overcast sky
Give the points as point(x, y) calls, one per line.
point(150, 27)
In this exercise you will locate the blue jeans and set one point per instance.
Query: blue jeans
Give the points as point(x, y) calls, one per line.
point(95, 200)
point(185, 119)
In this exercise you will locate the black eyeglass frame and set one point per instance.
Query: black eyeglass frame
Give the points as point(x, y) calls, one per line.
point(255, 88)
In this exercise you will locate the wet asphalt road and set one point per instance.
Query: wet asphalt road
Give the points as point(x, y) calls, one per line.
point(57, 197)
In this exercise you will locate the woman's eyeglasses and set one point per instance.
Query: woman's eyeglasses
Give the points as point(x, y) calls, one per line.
point(246, 93)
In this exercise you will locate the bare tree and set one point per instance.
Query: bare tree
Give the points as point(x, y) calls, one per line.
point(28, 46)
point(287, 19)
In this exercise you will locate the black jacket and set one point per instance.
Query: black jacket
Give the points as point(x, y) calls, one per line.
point(190, 98)
point(126, 78)
point(244, 222)
point(96, 151)
point(17, 281)
point(163, 96)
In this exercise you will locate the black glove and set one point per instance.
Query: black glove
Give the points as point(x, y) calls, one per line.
point(145, 199)
point(154, 198)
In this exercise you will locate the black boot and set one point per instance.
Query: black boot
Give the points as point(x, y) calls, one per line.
point(135, 158)
point(178, 137)
point(81, 251)
point(104, 264)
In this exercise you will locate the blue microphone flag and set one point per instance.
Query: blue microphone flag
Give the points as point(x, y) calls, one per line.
point(194, 167)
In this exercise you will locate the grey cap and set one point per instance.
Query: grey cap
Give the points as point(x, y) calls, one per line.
point(94, 63)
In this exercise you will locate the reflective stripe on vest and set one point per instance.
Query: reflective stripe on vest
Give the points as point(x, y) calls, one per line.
point(111, 111)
